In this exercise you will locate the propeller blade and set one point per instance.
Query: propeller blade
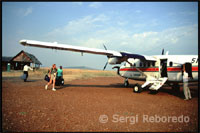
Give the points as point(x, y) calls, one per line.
point(104, 47)
point(105, 66)
point(163, 51)
point(107, 56)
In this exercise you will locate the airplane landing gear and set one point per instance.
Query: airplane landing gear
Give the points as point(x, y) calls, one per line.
point(137, 88)
point(126, 83)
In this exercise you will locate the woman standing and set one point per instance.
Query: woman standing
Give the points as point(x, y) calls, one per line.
point(52, 73)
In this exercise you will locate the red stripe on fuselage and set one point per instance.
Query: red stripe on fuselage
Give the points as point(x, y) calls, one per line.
point(195, 69)
point(170, 69)
point(142, 69)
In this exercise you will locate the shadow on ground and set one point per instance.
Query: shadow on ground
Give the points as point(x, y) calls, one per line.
point(165, 89)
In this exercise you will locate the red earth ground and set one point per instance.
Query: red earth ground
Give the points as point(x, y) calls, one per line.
point(95, 104)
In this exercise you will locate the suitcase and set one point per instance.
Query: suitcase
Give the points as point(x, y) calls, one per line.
point(59, 81)
point(47, 78)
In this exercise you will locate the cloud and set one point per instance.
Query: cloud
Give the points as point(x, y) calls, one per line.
point(25, 12)
point(94, 30)
point(179, 36)
point(184, 13)
point(78, 3)
point(138, 11)
point(95, 5)
point(93, 42)
point(81, 27)
point(122, 23)
point(189, 13)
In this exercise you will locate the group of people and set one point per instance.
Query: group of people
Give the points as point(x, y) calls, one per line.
point(54, 74)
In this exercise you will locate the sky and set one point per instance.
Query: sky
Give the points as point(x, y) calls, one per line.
point(137, 27)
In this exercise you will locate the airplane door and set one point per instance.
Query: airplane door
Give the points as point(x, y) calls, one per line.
point(188, 69)
point(163, 67)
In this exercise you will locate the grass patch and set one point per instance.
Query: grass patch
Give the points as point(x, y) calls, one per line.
point(68, 74)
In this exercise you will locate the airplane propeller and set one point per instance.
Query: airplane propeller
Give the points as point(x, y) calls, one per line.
point(107, 56)
point(163, 51)
point(105, 66)
point(104, 47)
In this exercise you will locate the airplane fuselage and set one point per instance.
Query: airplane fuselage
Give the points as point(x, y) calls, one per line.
point(170, 64)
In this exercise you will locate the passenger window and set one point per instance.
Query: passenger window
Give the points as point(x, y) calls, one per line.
point(153, 64)
point(140, 64)
point(170, 64)
point(149, 64)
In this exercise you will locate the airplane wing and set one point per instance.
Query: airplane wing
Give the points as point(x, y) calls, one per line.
point(109, 53)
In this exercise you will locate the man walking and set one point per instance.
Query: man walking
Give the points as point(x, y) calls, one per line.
point(26, 68)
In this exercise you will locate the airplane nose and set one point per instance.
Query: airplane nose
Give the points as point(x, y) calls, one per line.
point(118, 69)
point(23, 42)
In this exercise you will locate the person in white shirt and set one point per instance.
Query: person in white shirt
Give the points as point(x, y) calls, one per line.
point(26, 68)
point(185, 85)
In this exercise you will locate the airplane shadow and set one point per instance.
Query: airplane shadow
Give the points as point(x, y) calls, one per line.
point(99, 86)
point(165, 89)
point(179, 93)
point(31, 81)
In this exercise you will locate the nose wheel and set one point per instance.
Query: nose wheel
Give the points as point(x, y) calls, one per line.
point(126, 83)
point(137, 88)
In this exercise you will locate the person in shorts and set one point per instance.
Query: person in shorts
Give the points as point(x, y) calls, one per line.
point(52, 73)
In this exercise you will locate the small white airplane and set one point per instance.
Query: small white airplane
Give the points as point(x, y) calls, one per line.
point(155, 70)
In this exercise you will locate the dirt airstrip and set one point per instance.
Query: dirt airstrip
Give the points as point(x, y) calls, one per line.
point(95, 104)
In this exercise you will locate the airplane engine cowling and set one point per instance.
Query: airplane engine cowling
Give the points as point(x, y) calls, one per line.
point(114, 60)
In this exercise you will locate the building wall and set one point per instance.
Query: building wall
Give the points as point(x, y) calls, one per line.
point(4, 66)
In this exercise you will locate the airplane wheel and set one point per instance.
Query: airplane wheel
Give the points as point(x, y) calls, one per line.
point(126, 83)
point(137, 88)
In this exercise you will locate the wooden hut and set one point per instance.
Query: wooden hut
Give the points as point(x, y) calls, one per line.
point(22, 58)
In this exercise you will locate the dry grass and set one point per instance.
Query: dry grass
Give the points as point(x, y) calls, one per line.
point(68, 74)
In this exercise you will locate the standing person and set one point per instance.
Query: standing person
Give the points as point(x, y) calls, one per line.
point(52, 73)
point(185, 84)
point(26, 68)
point(60, 75)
